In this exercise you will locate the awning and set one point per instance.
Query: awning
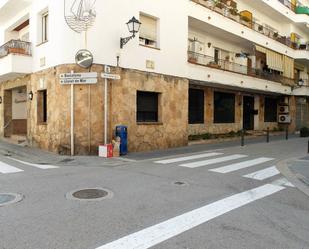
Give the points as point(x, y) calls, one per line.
point(273, 60)
point(288, 67)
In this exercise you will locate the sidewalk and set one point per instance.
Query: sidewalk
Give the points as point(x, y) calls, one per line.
point(38, 156)
point(296, 170)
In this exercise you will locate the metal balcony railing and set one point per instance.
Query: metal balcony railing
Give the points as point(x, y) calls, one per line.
point(233, 14)
point(15, 47)
point(288, 4)
point(208, 61)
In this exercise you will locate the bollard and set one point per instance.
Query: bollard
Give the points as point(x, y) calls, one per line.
point(287, 133)
point(243, 138)
point(267, 135)
point(308, 146)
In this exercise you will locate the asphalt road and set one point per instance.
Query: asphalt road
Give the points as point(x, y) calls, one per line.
point(231, 198)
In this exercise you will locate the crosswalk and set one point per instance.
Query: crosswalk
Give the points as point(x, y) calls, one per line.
point(8, 168)
point(234, 163)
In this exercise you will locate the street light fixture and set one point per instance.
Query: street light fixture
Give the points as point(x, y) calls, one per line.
point(133, 26)
point(30, 95)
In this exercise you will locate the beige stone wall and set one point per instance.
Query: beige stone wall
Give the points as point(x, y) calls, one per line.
point(54, 135)
point(209, 126)
point(172, 128)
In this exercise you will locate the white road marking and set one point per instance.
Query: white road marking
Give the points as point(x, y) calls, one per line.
point(187, 158)
point(283, 182)
point(40, 166)
point(156, 234)
point(241, 165)
point(212, 161)
point(263, 174)
point(8, 169)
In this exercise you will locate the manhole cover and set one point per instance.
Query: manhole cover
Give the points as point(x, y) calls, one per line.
point(90, 194)
point(180, 183)
point(8, 198)
point(67, 160)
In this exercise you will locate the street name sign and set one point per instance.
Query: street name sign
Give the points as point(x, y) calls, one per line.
point(79, 75)
point(76, 81)
point(110, 76)
point(78, 78)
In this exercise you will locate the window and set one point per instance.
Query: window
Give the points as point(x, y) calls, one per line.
point(224, 107)
point(196, 106)
point(42, 106)
point(148, 31)
point(270, 110)
point(44, 27)
point(147, 106)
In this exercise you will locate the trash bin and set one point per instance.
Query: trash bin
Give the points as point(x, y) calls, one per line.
point(122, 132)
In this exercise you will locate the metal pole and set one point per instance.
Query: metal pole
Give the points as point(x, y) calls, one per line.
point(308, 146)
point(287, 133)
point(105, 107)
point(243, 138)
point(72, 119)
point(267, 135)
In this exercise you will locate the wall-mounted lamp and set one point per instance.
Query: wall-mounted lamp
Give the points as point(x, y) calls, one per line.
point(30, 95)
point(0, 100)
point(209, 44)
point(133, 26)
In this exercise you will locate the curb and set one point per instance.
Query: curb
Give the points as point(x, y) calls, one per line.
point(296, 179)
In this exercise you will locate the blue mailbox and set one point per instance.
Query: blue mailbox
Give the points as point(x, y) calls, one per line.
point(122, 132)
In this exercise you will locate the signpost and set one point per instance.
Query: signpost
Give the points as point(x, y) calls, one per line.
point(87, 78)
point(106, 75)
point(76, 79)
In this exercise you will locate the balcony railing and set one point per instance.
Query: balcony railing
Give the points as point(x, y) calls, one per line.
point(233, 14)
point(208, 61)
point(15, 47)
point(288, 4)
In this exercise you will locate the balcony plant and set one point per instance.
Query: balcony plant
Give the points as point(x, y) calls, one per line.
point(234, 14)
point(219, 7)
point(260, 28)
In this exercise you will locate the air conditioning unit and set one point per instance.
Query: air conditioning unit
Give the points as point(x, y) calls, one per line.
point(284, 119)
point(283, 109)
point(284, 100)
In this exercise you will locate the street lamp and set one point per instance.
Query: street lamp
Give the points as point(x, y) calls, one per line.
point(30, 95)
point(133, 26)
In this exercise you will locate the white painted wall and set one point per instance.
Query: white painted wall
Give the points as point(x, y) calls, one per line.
point(104, 36)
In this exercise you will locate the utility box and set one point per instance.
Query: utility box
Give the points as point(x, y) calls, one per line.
point(122, 132)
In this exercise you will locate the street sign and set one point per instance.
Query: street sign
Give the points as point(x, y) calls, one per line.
point(78, 75)
point(110, 76)
point(77, 81)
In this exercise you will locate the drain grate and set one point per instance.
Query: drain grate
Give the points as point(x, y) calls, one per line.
point(90, 194)
point(67, 160)
point(8, 198)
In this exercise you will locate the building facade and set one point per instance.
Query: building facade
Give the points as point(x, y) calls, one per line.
point(195, 67)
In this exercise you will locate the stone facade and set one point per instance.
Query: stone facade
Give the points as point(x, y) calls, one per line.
point(171, 130)
point(54, 135)
point(259, 124)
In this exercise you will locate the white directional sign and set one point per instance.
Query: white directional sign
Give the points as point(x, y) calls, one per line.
point(79, 75)
point(78, 78)
point(69, 81)
point(110, 76)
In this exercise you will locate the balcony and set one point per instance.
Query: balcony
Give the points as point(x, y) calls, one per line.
point(227, 66)
point(15, 59)
point(245, 18)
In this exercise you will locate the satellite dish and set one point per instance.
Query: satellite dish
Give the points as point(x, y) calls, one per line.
point(79, 14)
point(84, 58)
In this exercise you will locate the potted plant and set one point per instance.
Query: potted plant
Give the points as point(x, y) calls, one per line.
point(260, 28)
point(219, 7)
point(234, 14)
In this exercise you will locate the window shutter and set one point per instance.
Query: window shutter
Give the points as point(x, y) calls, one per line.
point(148, 28)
